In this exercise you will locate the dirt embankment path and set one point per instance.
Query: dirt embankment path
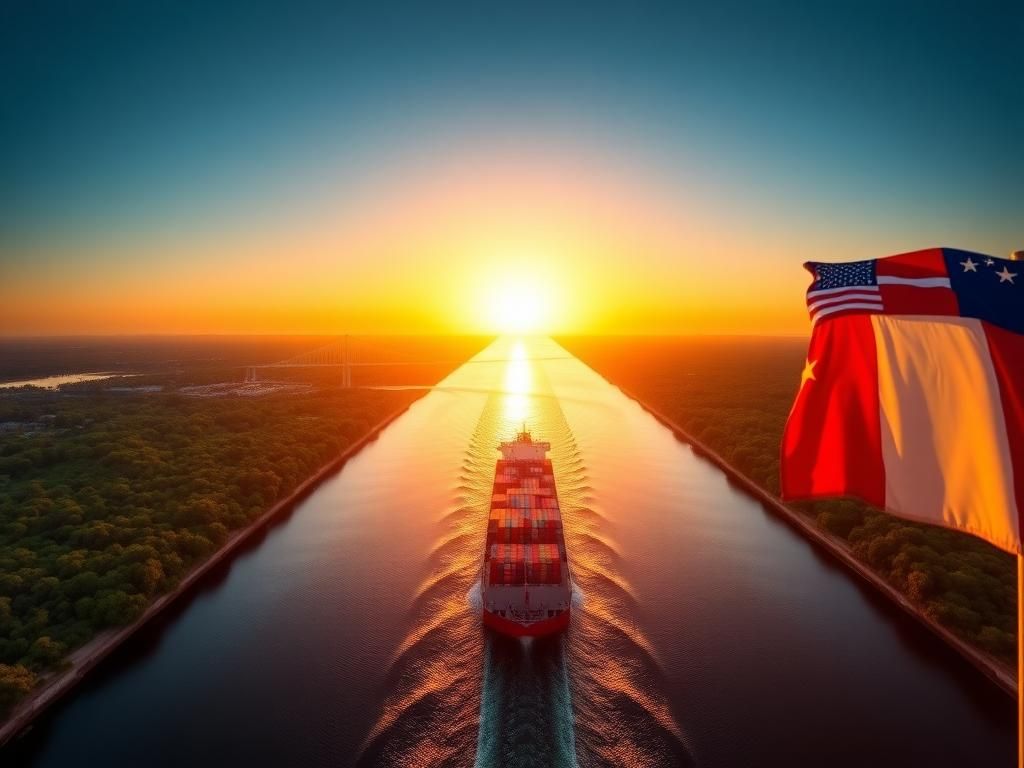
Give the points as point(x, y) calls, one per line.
point(1002, 674)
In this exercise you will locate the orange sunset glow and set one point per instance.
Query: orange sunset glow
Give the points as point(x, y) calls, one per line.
point(472, 245)
point(497, 385)
point(490, 240)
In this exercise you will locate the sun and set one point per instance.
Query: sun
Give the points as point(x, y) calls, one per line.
point(518, 307)
point(512, 292)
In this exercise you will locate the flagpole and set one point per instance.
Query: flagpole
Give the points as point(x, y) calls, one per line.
point(1020, 661)
point(1019, 256)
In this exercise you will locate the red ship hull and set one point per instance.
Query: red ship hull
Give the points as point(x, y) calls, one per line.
point(534, 629)
point(526, 587)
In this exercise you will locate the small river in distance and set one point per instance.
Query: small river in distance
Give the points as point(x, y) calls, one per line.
point(705, 631)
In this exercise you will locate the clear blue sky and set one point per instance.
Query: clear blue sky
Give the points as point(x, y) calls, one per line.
point(173, 115)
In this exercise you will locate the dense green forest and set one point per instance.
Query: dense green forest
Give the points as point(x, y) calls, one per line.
point(734, 394)
point(113, 501)
point(108, 499)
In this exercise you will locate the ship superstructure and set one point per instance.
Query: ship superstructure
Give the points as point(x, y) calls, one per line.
point(525, 581)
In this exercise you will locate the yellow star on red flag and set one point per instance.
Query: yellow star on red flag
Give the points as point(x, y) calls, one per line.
point(808, 372)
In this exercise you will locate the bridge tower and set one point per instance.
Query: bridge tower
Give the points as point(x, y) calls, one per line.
point(346, 369)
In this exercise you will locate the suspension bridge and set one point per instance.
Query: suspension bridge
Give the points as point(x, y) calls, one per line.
point(338, 354)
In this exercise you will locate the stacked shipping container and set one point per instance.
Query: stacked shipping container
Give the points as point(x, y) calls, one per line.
point(525, 543)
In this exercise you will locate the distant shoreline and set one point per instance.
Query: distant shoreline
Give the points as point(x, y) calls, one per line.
point(1001, 674)
point(87, 657)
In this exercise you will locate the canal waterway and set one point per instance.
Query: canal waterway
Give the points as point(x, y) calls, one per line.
point(705, 631)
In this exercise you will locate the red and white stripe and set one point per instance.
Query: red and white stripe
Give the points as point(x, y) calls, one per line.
point(908, 284)
point(829, 301)
point(914, 409)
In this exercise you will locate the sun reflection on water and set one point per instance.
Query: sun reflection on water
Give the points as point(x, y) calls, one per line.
point(585, 698)
point(518, 383)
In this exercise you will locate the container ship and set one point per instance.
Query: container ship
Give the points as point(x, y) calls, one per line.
point(525, 581)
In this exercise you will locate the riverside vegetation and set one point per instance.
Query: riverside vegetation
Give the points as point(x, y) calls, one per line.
point(734, 394)
point(108, 500)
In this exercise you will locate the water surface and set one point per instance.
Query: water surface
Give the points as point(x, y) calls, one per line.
point(706, 632)
point(52, 382)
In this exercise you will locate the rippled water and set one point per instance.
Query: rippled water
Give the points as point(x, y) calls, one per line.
point(704, 631)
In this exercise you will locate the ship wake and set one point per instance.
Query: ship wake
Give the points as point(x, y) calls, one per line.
point(462, 695)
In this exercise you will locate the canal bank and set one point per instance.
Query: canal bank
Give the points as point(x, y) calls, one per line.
point(85, 659)
point(346, 635)
point(1001, 674)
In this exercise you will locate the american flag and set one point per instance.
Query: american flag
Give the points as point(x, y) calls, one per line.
point(938, 281)
point(912, 392)
point(843, 288)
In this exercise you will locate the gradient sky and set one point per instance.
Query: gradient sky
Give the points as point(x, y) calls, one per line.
point(257, 167)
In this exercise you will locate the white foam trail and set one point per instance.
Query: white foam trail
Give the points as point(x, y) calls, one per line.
point(474, 598)
point(577, 598)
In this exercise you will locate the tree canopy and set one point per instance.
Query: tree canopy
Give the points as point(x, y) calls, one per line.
point(734, 395)
point(117, 501)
